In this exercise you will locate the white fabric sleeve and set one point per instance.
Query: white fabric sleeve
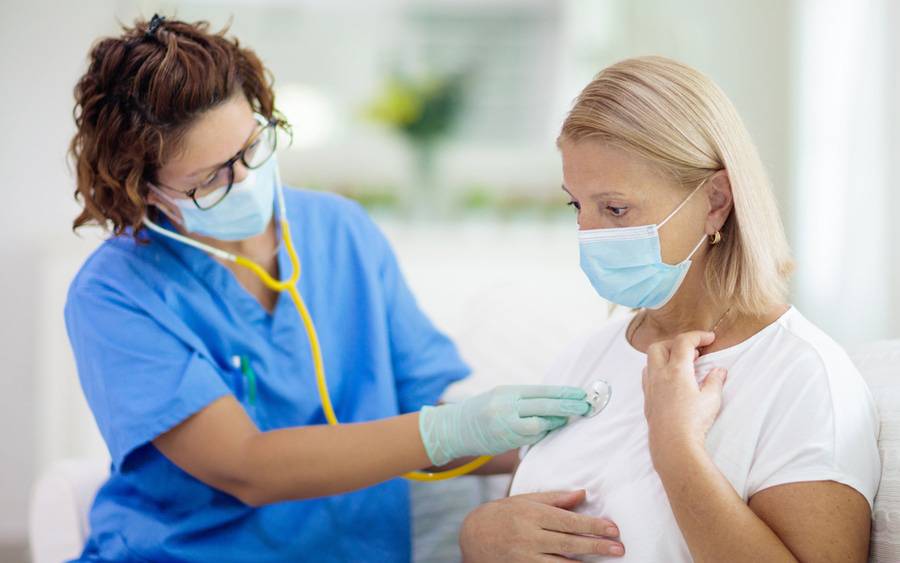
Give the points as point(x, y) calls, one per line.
point(821, 425)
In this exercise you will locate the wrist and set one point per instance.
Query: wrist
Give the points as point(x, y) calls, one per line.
point(434, 430)
point(673, 449)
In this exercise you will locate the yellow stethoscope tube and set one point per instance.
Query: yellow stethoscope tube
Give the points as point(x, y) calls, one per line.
point(290, 285)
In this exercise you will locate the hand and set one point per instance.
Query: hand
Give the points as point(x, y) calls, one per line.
point(507, 417)
point(535, 527)
point(679, 411)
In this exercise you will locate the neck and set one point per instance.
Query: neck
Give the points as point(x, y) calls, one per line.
point(260, 247)
point(692, 309)
point(689, 309)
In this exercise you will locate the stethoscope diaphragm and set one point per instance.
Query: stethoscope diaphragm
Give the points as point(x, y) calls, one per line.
point(598, 395)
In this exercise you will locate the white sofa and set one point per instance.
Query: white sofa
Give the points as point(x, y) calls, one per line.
point(880, 365)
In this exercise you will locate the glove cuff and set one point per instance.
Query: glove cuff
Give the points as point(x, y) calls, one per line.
point(433, 428)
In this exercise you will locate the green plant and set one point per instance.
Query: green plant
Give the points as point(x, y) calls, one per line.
point(423, 110)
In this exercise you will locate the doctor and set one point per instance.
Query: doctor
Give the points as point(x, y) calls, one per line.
point(200, 377)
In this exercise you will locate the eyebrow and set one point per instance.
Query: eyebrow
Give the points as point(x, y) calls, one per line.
point(594, 196)
point(221, 164)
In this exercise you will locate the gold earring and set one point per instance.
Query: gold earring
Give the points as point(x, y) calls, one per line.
point(715, 239)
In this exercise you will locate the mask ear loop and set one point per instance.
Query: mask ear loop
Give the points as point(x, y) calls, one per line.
point(696, 248)
point(677, 209)
point(682, 204)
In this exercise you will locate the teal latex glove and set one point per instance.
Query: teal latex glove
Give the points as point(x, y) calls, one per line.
point(504, 418)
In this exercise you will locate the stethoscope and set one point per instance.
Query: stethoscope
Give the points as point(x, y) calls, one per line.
point(598, 395)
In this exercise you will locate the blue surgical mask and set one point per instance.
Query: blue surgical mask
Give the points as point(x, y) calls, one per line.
point(245, 211)
point(625, 264)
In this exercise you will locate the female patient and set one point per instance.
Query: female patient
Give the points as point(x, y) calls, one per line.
point(776, 462)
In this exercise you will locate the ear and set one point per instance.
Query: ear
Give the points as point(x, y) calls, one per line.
point(718, 189)
point(164, 205)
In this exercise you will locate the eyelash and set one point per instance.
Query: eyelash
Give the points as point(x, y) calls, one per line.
point(614, 211)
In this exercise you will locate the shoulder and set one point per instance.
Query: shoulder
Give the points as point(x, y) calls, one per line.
point(815, 389)
point(125, 272)
point(304, 203)
point(819, 419)
point(809, 357)
point(114, 263)
point(331, 215)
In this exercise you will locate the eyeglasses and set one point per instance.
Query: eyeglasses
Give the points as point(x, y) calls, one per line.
point(257, 151)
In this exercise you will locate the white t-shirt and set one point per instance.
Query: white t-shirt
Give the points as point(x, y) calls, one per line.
point(794, 409)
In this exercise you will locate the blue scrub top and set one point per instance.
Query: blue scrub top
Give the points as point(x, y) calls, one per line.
point(156, 328)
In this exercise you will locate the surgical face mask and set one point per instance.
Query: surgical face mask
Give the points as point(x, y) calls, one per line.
point(245, 211)
point(625, 264)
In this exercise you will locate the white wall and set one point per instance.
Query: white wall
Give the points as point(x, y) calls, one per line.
point(44, 45)
point(845, 198)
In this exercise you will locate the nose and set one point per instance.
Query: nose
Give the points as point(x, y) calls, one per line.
point(240, 172)
point(588, 222)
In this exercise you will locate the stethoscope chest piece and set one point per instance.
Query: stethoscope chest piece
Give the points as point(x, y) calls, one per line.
point(598, 394)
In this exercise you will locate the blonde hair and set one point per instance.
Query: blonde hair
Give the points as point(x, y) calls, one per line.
point(679, 119)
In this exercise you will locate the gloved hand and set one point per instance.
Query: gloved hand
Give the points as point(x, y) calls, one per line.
point(504, 418)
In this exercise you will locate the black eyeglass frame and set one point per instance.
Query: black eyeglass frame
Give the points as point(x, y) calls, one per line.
point(268, 126)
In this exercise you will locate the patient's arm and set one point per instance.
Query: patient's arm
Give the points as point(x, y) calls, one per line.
point(500, 464)
point(804, 521)
point(817, 520)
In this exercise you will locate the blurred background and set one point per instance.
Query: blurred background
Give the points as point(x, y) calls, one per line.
point(440, 116)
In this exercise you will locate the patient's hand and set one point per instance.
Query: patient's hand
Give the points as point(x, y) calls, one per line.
point(535, 527)
point(679, 411)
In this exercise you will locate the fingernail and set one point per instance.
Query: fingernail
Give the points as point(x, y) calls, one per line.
point(612, 531)
point(617, 550)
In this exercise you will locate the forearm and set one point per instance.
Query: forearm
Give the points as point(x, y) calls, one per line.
point(714, 520)
point(315, 461)
point(500, 464)
point(220, 445)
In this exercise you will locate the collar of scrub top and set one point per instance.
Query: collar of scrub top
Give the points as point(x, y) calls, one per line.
point(214, 272)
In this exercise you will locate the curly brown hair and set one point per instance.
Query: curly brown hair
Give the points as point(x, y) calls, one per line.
point(140, 94)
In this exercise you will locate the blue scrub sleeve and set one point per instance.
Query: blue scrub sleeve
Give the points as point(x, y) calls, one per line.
point(424, 359)
point(139, 379)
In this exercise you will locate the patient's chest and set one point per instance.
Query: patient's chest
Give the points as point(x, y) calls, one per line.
point(609, 456)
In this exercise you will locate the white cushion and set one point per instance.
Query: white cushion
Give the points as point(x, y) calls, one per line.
point(879, 364)
point(60, 503)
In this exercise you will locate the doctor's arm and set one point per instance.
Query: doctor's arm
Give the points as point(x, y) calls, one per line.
point(799, 521)
point(222, 447)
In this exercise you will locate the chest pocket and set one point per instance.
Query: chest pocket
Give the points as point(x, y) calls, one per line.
point(243, 375)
